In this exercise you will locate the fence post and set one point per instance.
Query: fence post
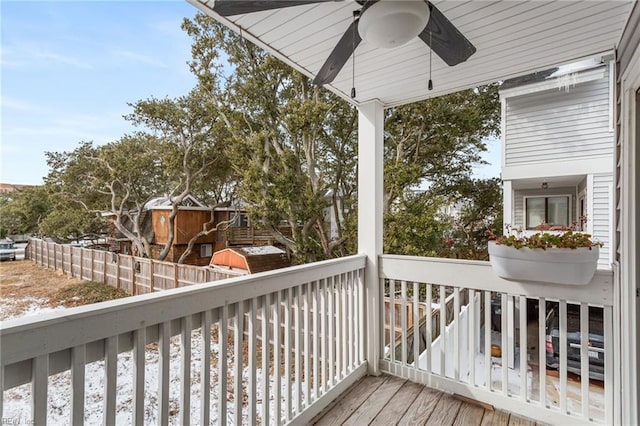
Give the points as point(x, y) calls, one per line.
point(92, 263)
point(55, 258)
point(118, 272)
point(151, 275)
point(81, 263)
point(104, 268)
point(175, 275)
point(47, 245)
point(133, 276)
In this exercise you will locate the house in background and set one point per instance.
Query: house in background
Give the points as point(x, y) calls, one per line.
point(231, 223)
point(558, 144)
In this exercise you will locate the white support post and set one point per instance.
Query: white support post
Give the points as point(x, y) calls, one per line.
point(370, 210)
point(507, 204)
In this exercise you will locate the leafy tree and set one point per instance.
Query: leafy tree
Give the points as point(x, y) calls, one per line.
point(22, 210)
point(294, 145)
point(119, 178)
point(191, 151)
point(438, 141)
point(291, 143)
point(481, 211)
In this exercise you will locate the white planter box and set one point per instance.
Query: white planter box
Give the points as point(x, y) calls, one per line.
point(555, 265)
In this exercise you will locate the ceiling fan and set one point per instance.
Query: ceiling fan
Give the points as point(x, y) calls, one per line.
point(383, 23)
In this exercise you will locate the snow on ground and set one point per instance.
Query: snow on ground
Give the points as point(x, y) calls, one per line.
point(17, 401)
point(11, 308)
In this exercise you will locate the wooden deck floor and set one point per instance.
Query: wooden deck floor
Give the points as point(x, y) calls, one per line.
point(387, 400)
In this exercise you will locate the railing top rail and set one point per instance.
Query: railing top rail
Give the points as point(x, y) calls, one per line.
point(478, 275)
point(26, 338)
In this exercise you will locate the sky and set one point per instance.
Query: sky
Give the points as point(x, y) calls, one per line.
point(69, 68)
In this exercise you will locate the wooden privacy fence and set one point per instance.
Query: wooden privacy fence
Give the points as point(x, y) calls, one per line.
point(136, 275)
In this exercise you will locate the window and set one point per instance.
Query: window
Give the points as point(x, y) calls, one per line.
point(241, 221)
point(551, 210)
point(206, 250)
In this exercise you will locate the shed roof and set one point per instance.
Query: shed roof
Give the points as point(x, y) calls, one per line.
point(251, 259)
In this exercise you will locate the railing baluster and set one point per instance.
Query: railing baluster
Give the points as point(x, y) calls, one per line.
point(307, 349)
point(277, 415)
point(392, 320)
point(222, 364)
point(456, 333)
point(331, 318)
point(77, 384)
point(403, 321)
point(350, 321)
point(584, 358)
point(238, 333)
point(523, 348)
point(287, 353)
point(164, 330)
point(323, 332)
point(608, 364)
point(504, 324)
point(39, 385)
point(361, 315)
point(563, 356)
point(251, 332)
point(185, 372)
point(316, 342)
point(487, 339)
point(139, 336)
point(298, 342)
point(416, 325)
point(443, 330)
point(542, 350)
point(205, 369)
point(338, 311)
point(265, 359)
point(429, 327)
point(343, 316)
point(472, 323)
point(110, 379)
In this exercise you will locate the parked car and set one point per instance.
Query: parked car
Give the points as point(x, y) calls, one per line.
point(7, 251)
point(595, 346)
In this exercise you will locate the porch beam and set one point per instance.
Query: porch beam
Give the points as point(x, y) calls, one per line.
point(370, 212)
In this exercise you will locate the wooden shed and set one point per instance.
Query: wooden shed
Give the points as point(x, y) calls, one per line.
point(250, 259)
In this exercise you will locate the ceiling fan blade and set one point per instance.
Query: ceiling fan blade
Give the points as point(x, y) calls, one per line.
point(339, 56)
point(445, 39)
point(238, 7)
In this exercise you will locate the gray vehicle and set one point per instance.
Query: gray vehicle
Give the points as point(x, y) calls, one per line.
point(7, 251)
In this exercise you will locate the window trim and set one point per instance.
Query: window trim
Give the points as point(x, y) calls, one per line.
point(524, 207)
point(210, 249)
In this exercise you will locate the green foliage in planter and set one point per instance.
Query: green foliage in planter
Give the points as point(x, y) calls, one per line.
point(568, 239)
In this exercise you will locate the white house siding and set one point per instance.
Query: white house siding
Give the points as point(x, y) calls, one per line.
point(554, 124)
point(600, 216)
point(518, 202)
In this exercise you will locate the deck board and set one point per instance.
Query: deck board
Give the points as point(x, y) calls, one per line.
point(387, 400)
point(495, 418)
point(515, 420)
point(398, 405)
point(419, 411)
point(445, 412)
point(469, 415)
point(375, 403)
point(339, 412)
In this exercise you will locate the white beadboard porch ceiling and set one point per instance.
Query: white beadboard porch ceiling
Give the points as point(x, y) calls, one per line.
point(512, 38)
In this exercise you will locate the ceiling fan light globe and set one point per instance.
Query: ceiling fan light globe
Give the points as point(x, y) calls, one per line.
point(388, 24)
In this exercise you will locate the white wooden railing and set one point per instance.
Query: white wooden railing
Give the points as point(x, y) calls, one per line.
point(135, 275)
point(454, 354)
point(268, 348)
